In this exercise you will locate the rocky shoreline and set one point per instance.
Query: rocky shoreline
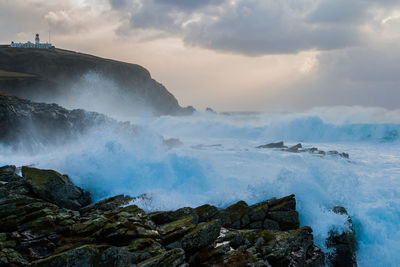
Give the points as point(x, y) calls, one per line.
point(48, 221)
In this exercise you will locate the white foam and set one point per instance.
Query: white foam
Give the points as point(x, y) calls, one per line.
point(227, 167)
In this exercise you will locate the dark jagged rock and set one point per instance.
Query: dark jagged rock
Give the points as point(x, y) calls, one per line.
point(174, 257)
point(235, 216)
point(47, 75)
point(111, 232)
point(164, 217)
point(28, 124)
point(106, 204)
point(202, 236)
point(272, 248)
point(273, 145)
point(344, 155)
point(56, 188)
point(206, 212)
point(294, 148)
point(273, 214)
point(343, 244)
point(299, 149)
point(8, 173)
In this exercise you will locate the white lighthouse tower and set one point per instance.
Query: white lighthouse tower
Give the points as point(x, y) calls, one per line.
point(37, 40)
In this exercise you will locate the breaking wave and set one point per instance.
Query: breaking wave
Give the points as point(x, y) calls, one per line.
point(219, 164)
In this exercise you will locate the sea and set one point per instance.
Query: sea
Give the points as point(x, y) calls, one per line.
point(217, 162)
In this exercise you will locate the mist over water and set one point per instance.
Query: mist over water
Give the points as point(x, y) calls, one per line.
point(95, 92)
point(219, 164)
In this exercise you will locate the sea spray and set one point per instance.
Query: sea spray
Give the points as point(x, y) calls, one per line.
point(219, 164)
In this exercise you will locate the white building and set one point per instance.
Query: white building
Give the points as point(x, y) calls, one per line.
point(28, 44)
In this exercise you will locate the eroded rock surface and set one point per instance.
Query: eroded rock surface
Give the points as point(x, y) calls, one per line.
point(56, 188)
point(39, 230)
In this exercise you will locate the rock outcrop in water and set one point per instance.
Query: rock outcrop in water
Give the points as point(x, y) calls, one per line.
point(38, 230)
point(45, 75)
point(298, 148)
point(342, 244)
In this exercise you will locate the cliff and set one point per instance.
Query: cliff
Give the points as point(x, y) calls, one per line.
point(49, 74)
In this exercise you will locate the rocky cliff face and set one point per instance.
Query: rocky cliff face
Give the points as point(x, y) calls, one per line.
point(48, 74)
point(28, 124)
point(43, 227)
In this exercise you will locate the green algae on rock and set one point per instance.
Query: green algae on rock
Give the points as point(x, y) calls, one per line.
point(38, 229)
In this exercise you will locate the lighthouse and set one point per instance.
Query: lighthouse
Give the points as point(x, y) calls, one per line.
point(28, 44)
point(37, 40)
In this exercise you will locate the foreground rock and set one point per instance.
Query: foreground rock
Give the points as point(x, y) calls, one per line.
point(56, 188)
point(37, 229)
point(298, 148)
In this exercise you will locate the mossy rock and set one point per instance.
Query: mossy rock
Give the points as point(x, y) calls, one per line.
point(287, 203)
point(56, 188)
point(10, 257)
point(235, 216)
point(85, 255)
point(90, 226)
point(235, 258)
point(164, 217)
point(107, 204)
point(287, 220)
point(270, 225)
point(201, 236)
point(172, 231)
point(8, 174)
point(291, 248)
point(23, 212)
point(206, 212)
point(174, 257)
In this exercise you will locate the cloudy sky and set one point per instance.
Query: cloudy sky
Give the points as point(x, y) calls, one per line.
point(234, 54)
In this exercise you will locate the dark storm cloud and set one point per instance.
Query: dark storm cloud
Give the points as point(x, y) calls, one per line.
point(338, 12)
point(357, 64)
point(255, 27)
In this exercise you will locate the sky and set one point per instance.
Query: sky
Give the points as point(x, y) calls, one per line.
point(233, 55)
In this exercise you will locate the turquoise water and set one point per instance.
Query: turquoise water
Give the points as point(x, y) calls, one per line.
point(219, 164)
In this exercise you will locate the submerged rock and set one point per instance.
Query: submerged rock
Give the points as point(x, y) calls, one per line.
point(56, 188)
point(172, 143)
point(210, 110)
point(342, 244)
